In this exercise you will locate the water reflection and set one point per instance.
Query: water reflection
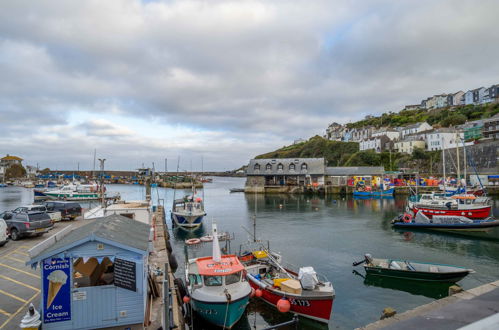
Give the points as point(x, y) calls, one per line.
point(428, 289)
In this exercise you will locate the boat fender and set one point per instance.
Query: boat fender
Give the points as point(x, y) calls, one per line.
point(173, 262)
point(168, 246)
point(407, 218)
point(394, 265)
point(182, 291)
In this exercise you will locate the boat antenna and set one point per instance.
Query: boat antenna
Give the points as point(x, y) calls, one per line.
point(176, 180)
point(217, 256)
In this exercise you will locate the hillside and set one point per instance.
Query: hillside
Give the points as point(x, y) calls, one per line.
point(348, 154)
point(443, 117)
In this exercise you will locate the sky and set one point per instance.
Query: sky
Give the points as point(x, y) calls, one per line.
point(211, 84)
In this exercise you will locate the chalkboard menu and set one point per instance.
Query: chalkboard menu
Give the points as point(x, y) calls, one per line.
point(124, 274)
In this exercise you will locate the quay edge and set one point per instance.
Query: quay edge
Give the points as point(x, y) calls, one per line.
point(455, 311)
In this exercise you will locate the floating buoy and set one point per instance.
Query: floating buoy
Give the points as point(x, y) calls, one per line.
point(186, 299)
point(252, 294)
point(283, 305)
point(258, 293)
point(280, 206)
point(192, 241)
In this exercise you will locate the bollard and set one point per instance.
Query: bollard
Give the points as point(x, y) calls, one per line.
point(387, 312)
point(453, 289)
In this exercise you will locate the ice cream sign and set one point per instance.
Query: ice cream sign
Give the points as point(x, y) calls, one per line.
point(56, 290)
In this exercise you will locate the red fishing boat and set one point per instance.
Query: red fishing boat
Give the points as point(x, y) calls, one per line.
point(466, 205)
point(308, 295)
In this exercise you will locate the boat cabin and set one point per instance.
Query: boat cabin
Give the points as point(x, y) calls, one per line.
point(206, 273)
point(94, 276)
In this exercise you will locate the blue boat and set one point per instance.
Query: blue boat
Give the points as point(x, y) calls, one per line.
point(3, 185)
point(384, 192)
point(217, 287)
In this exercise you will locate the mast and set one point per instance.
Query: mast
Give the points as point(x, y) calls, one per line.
point(458, 161)
point(93, 172)
point(254, 221)
point(217, 256)
point(465, 165)
point(443, 166)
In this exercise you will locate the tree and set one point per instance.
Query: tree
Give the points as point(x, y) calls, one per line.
point(15, 171)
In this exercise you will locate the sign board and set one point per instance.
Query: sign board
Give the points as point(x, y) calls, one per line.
point(80, 295)
point(125, 275)
point(56, 290)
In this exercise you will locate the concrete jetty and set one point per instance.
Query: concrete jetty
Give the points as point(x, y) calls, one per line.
point(459, 310)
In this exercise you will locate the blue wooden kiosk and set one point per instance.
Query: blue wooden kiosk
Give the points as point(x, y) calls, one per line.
point(94, 276)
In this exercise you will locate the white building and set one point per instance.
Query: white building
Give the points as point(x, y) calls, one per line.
point(409, 143)
point(377, 143)
point(391, 133)
point(415, 128)
point(443, 138)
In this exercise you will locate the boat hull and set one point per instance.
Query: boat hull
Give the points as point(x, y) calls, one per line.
point(416, 275)
point(71, 197)
point(187, 221)
point(221, 314)
point(475, 213)
point(388, 192)
point(461, 227)
point(317, 308)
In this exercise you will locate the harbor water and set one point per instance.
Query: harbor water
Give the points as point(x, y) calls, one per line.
point(328, 233)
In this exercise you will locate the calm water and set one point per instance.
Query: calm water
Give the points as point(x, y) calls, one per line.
point(328, 234)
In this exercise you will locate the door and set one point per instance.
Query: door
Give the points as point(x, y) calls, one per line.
point(94, 306)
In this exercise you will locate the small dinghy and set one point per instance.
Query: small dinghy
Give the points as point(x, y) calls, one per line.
point(412, 270)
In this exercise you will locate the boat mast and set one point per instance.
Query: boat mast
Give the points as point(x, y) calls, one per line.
point(217, 256)
point(458, 160)
point(254, 221)
point(465, 164)
point(176, 180)
point(443, 166)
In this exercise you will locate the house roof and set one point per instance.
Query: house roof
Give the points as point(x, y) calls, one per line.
point(355, 170)
point(314, 166)
point(414, 125)
point(8, 157)
point(114, 228)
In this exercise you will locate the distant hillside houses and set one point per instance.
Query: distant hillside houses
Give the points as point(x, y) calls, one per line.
point(481, 95)
point(420, 135)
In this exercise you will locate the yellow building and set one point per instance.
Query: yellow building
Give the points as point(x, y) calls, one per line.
point(410, 143)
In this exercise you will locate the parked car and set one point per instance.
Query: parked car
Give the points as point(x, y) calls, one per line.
point(69, 210)
point(4, 232)
point(54, 215)
point(31, 223)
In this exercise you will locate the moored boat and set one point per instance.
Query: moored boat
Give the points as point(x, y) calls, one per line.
point(444, 222)
point(308, 295)
point(218, 292)
point(412, 270)
point(466, 205)
point(188, 212)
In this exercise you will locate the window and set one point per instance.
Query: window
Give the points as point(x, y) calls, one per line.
point(292, 167)
point(268, 167)
point(195, 279)
point(213, 280)
point(304, 166)
point(91, 273)
point(280, 167)
point(233, 278)
point(257, 167)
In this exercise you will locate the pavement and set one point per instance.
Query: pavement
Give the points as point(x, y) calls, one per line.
point(19, 284)
point(454, 312)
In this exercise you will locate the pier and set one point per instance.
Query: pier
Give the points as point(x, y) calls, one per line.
point(480, 304)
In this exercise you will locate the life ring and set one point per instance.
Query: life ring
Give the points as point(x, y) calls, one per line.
point(407, 218)
point(192, 241)
point(207, 238)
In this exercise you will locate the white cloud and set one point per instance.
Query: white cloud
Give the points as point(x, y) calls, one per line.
point(232, 78)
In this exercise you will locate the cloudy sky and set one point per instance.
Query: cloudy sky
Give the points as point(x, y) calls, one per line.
point(141, 81)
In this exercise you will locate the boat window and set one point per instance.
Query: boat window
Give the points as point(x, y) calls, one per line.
point(195, 279)
point(213, 280)
point(233, 278)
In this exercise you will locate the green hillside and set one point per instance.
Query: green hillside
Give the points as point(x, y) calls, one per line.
point(348, 154)
point(443, 117)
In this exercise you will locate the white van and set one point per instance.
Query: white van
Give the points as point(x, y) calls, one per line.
point(3, 232)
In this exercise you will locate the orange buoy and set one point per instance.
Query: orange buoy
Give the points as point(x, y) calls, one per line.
point(283, 305)
point(186, 299)
point(258, 293)
point(252, 294)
